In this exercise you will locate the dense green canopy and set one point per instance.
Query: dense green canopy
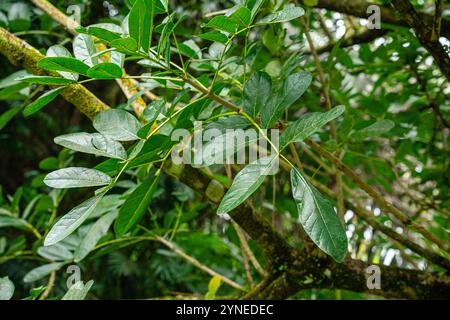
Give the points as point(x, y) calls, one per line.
point(347, 198)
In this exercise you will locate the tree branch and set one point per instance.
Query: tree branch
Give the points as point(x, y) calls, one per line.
point(425, 33)
point(128, 86)
point(20, 53)
point(198, 264)
point(358, 8)
point(359, 38)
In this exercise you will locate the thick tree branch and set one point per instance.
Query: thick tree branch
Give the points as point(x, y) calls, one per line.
point(20, 53)
point(313, 269)
point(426, 35)
point(358, 8)
point(128, 86)
point(359, 38)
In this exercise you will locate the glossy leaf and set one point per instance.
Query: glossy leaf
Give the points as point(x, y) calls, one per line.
point(214, 36)
point(374, 130)
point(11, 221)
point(126, 45)
point(84, 49)
point(220, 148)
point(103, 33)
point(241, 16)
point(222, 23)
point(75, 177)
point(117, 124)
point(287, 14)
point(246, 182)
point(105, 70)
point(71, 221)
point(92, 143)
point(307, 125)
point(98, 230)
point(42, 271)
point(63, 64)
point(42, 101)
point(140, 22)
point(47, 80)
point(136, 205)
point(6, 288)
point(56, 252)
point(257, 91)
point(60, 51)
point(78, 291)
point(290, 91)
point(318, 217)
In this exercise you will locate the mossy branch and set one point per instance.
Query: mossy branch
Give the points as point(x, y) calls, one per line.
point(21, 54)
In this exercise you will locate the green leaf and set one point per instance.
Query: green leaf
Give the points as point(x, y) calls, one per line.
point(71, 221)
point(190, 49)
point(136, 205)
point(311, 3)
point(290, 91)
point(102, 33)
point(257, 92)
point(287, 14)
point(84, 49)
point(60, 51)
point(318, 217)
point(42, 101)
point(126, 45)
point(78, 291)
point(153, 150)
point(92, 143)
point(42, 271)
point(6, 288)
point(213, 286)
point(98, 230)
point(307, 125)
point(63, 64)
point(56, 252)
point(219, 148)
point(246, 182)
point(117, 124)
point(74, 177)
point(254, 6)
point(7, 116)
point(140, 23)
point(47, 80)
point(241, 16)
point(222, 23)
point(151, 113)
point(19, 16)
point(374, 130)
point(11, 221)
point(214, 36)
point(105, 70)
point(13, 79)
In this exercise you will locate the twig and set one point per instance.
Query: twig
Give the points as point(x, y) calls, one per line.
point(198, 264)
point(247, 249)
point(48, 289)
